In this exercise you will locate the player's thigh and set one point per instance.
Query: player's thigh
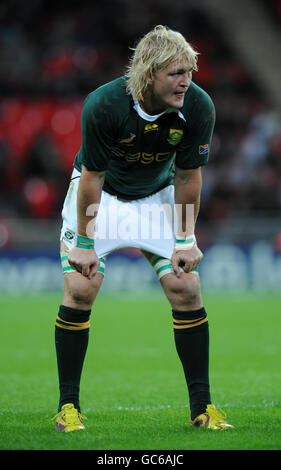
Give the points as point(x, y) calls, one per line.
point(79, 291)
point(183, 293)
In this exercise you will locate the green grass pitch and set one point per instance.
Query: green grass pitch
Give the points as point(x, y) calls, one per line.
point(133, 390)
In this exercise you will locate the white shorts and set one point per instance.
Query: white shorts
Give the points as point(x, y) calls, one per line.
point(145, 224)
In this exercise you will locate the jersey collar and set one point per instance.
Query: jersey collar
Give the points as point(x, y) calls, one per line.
point(150, 117)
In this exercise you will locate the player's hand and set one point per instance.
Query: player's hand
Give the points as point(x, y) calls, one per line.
point(186, 259)
point(84, 261)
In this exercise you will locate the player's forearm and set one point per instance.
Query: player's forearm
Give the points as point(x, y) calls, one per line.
point(88, 199)
point(188, 185)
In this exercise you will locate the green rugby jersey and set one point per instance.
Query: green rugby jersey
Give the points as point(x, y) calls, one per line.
point(137, 150)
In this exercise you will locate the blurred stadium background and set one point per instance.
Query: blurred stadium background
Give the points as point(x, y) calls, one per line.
point(54, 53)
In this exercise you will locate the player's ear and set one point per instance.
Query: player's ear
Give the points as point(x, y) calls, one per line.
point(149, 79)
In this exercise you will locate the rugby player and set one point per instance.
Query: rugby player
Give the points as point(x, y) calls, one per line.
point(145, 137)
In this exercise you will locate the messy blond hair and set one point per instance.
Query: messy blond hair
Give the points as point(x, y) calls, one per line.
point(155, 51)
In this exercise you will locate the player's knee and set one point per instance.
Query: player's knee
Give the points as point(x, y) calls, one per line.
point(185, 292)
point(80, 292)
point(81, 296)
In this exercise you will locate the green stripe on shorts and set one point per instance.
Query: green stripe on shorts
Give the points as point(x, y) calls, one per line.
point(163, 266)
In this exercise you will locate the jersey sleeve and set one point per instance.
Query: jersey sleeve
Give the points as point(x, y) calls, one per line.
point(96, 135)
point(193, 151)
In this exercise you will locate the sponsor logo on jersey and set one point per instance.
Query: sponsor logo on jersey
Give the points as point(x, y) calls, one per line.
point(175, 136)
point(151, 127)
point(147, 158)
point(203, 149)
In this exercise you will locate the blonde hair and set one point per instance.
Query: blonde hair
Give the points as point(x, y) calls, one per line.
point(155, 51)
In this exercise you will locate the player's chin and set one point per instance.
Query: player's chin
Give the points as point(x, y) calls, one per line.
point(177, 101)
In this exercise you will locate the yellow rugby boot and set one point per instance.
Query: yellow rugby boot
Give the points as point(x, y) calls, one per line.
point(212, 419)
point(69, 419)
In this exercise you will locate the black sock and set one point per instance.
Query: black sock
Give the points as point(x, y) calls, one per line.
point(191, 333)
point(71, 341)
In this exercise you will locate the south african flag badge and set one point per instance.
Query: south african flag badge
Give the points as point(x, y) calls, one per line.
point(203, 149)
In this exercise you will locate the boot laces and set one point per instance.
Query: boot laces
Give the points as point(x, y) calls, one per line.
point(216, 413)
